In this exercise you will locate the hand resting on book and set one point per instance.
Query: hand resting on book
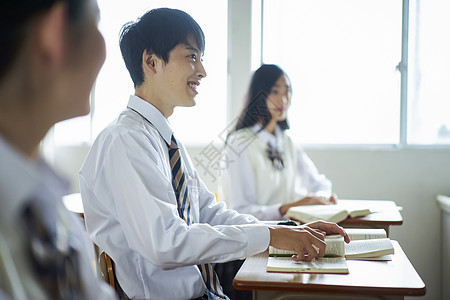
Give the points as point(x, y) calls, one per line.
point(306, 239)
point(309, 200)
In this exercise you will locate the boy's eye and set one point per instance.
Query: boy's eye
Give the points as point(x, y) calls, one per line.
point(193, 56)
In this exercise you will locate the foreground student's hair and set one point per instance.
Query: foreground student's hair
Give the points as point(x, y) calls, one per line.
point(255, 107)
point(16, 21)
point(158, 31)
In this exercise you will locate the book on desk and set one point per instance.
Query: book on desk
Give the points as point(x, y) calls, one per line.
point(392, 279)
point(365, 244)
point(331, 213)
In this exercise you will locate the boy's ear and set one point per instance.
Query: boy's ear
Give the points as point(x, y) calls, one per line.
point(51, 32)
point(150, 62)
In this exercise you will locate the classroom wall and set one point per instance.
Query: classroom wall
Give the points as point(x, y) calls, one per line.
point(410, 177)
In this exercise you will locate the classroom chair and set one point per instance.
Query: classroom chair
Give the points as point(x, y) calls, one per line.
point(109, 275)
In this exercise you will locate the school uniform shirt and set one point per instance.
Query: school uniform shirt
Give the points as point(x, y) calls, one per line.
point(22, 181)
point(131, 210)
point(252, 185)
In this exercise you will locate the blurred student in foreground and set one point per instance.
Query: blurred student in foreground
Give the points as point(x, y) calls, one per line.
point(50, 55)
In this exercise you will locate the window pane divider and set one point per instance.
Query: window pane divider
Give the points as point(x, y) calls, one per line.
point(403, 68)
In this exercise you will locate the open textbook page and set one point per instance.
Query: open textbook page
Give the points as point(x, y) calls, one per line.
point(336, 265)
point(361, 249)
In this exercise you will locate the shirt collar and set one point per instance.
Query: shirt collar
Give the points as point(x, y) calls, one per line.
point(23, 179)
point(152, 115)
point(268, 138)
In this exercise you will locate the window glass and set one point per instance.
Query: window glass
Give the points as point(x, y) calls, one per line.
point(114, 85)
point(429, 72)
point(74, 131)
point(341, 57)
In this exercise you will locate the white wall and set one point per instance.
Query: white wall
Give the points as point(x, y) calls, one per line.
point(411, 178)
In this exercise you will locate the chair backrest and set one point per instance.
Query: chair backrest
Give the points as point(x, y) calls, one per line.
point(106, 269)
point(108, 274)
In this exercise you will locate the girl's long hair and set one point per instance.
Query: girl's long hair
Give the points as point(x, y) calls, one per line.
point(255, 108)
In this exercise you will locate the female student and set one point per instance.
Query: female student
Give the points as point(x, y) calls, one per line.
point(267, 174)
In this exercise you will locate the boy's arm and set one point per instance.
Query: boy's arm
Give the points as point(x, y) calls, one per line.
point(216, 213)
point(146, 209)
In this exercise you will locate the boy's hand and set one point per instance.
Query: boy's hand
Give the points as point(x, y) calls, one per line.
point(306, 240)
point(329, 228)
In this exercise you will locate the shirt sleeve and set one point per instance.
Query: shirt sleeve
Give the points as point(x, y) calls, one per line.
point(239, 182)
point(311, 180)
point(146, 209)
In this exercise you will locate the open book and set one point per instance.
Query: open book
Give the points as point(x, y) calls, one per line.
point(337, 265)
point(335, 248)
point(376, 249)
point(366, 244)
point(331, 213)
point(333, 262)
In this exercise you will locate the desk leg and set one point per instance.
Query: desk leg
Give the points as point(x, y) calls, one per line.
point(273, 295)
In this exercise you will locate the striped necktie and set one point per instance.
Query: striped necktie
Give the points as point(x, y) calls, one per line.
point(184, 210)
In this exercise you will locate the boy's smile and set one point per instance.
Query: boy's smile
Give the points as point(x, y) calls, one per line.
point(193, 85)
point(181, 76)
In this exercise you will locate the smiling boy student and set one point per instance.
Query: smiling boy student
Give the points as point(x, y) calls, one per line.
point(145, 204)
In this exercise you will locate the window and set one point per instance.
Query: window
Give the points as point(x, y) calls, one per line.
point(429, 73)
point(343, 59)
point(114, 85)
point(342, 56)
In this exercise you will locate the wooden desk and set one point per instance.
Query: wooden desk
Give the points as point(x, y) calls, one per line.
point(383, 279)
point(384, 214)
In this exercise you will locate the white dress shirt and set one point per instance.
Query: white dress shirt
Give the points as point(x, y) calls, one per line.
point(252, 185)
point(21, 180)
point(131, 210)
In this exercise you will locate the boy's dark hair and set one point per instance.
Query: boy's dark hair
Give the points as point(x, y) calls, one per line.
point(15, 19)
point(255, 108)
point(158, 31)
